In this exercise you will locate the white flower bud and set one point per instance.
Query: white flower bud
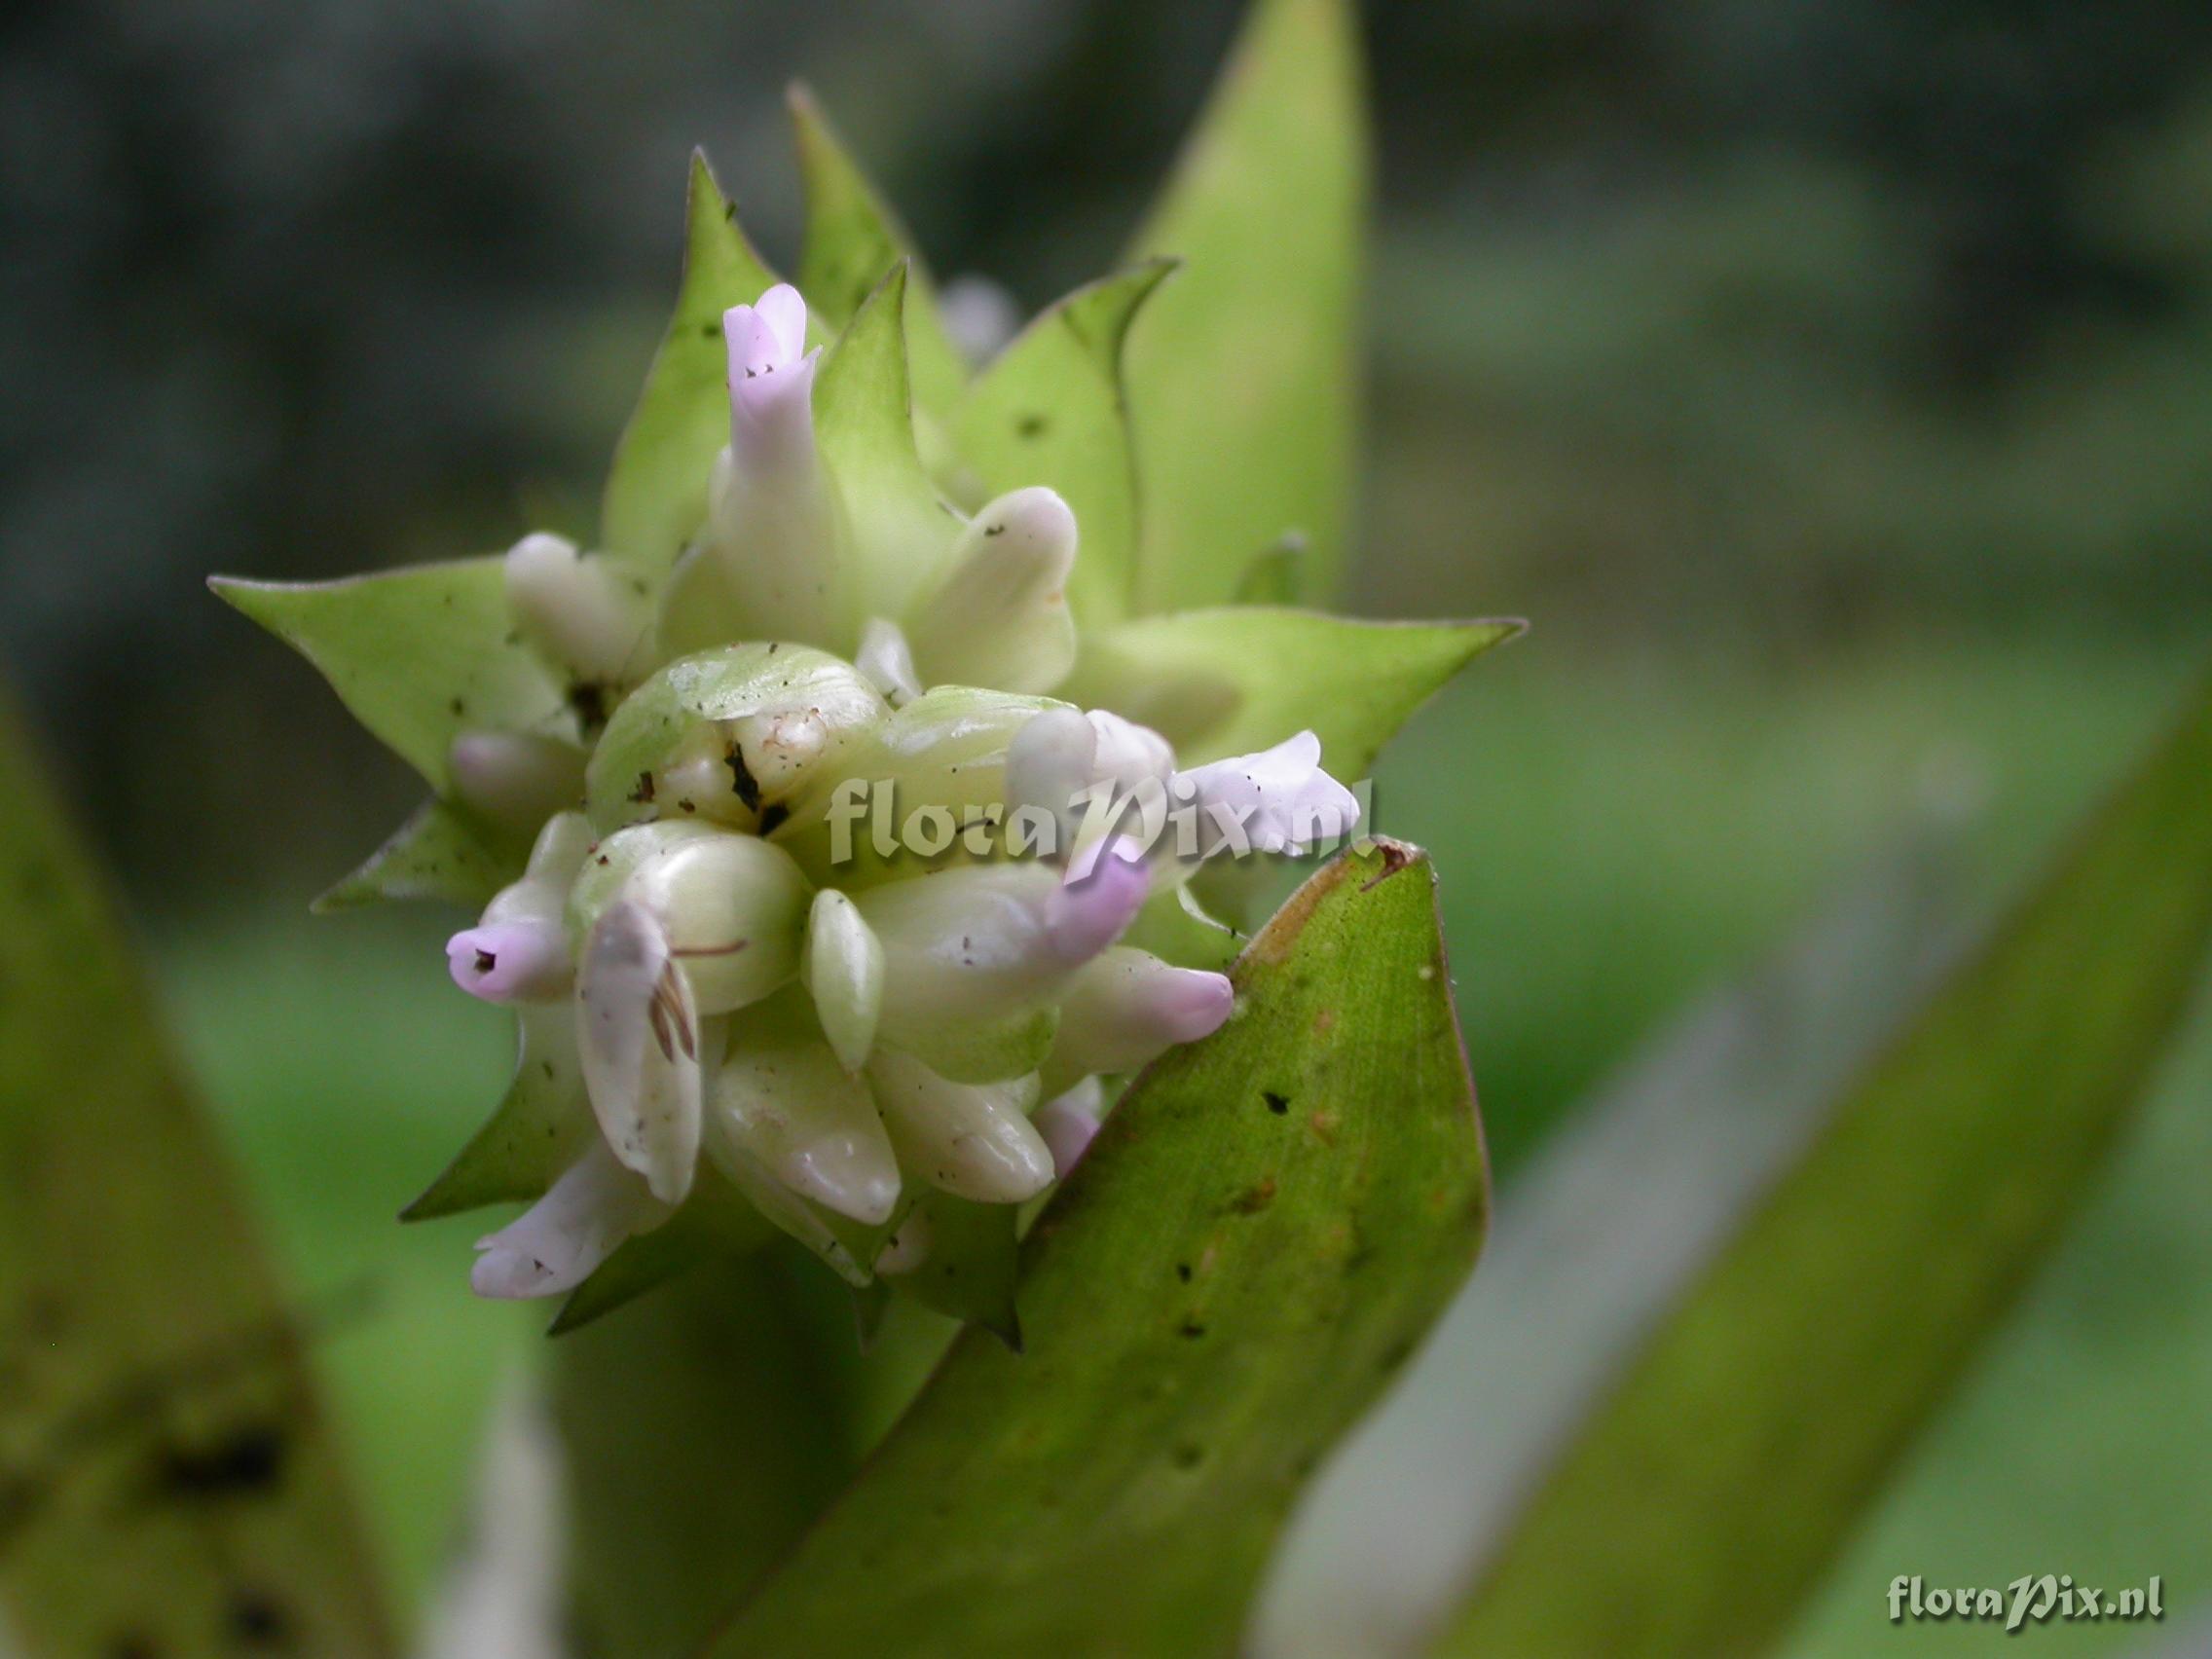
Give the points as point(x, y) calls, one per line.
point(843, 968)
point(1128, 1007)
point(516, 780)
point(785, 1098)
point(588, 613)
point(973, 1141)
point(1001, 617)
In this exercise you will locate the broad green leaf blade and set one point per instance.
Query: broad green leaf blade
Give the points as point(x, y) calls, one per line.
point(852, 239)
point(539, 1128)
point(439, 853)
point(656, 489)
point(1244, 375)
point(705, 1428)
point(898, 531)
point(1627, 1202)
point(420, 654)
point(1253, 1246)
point(1233, 680)
point(1049, 409)
point(1773, 1401)
point(159, 1416)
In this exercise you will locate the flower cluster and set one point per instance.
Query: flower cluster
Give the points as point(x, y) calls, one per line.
point(717, 988)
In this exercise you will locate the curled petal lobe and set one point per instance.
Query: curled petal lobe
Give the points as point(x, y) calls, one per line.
point(561, 1241)
point(1276, 800)
point(639, 1034)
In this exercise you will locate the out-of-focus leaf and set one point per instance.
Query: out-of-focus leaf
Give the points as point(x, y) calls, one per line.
point(419, 654)
point(852, 239)
point(439, 853)
point(1244, 372)
point(1049, 409)
point(705, 1426)
point(898, 530)
point(1628, 1201)
point(538, 1129)
point(1774, 1399)
point(1275, 576)
point(1233, 680)
point(656, 489)
point(167, 1483)
point(1253, 1246)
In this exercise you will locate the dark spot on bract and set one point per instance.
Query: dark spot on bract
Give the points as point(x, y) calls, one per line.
point(1279, 1104)
point(644, 793)
point(1190, 1328)
point(1255, 1199)
point(458, 707)
point(1188, 1456)
point(1183, 1271)
point(133, 1644)
point(772, 817)
point(589, 701)
point(1031, 426)
point(258, 1620)
point(994, 529)
point(246, 1461)
point(742, 778)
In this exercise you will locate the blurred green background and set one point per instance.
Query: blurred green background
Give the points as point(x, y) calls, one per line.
point(1832, 385)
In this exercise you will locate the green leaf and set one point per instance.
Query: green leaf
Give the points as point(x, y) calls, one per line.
point(656, 489)
point(1049, 409)
point(1244, 375)
point(158, 1414)
point(1627, 1201)
point(1253, 1246)
point(419, 654)
point(539, 1129)
point(852, 239)
point(1234, 679)
point(1774, 1400)
point(704, 1428)
point(439, 853)
point(898, 531)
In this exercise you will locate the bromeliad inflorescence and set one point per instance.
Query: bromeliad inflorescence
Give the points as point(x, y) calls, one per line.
point(837, 863)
